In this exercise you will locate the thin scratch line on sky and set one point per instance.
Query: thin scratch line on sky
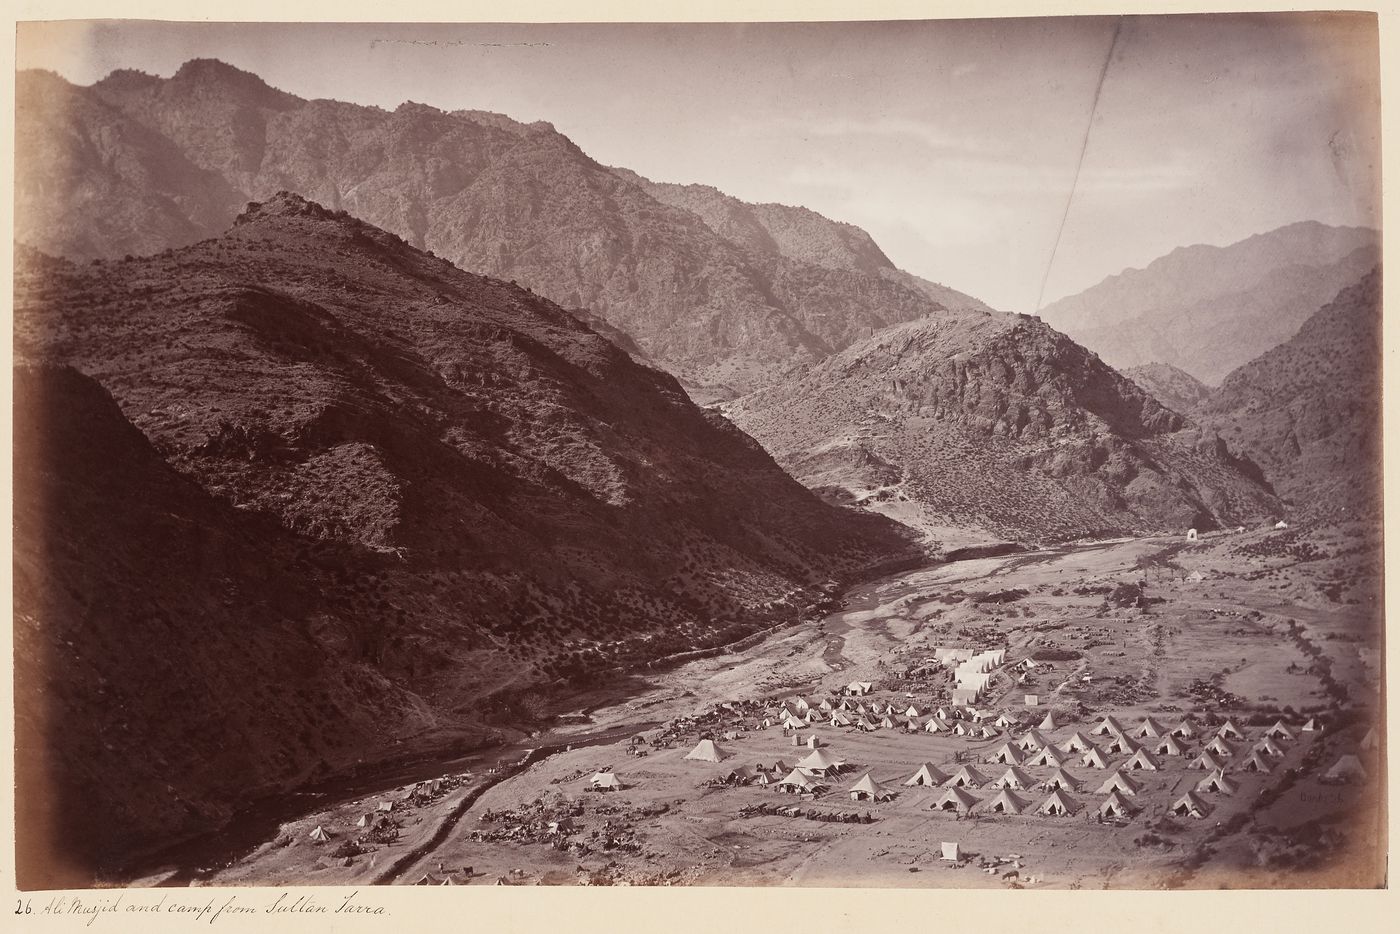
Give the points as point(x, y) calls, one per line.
point(1079, 166)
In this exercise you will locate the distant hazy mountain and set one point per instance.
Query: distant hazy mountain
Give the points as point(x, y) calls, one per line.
point(796, 234)
point(137, 163)
point(1208, 309)
point(1175, 387)
point(374, 491)
point(997, 422)
point(1309, 409)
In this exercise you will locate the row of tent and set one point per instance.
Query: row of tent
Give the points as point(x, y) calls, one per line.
point(799, 706)
point(1059, 803)
point(955, 721)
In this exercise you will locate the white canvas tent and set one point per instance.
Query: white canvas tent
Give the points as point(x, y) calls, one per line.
point(605, 781)
point(1005, 803)
point(1168, 746)
point(1007, 754)
point(796, 782)
point(966, 777)
point(1014, 778)
point(819, 762)
point(1345, 769)
point(1141, 760)
point(869, 789)
point(318, 834)
point(1062, 780)
point(955, 799)
point(1206, 761)
point(1094, 759)
point(1115, 805)
point(1217, 783)
point(1048, 755)
point(1058, 804)
point(1032, 740)
point(1257, 763)
point(927, 776)
point(1188, 805)
point(1219, 747)
point(707, 751)
point(1106, 726)
point(1122, 783)
point(1077, 743)
point(740, 776)
point(1147, 729)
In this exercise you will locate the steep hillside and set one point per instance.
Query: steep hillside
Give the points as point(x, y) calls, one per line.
point(1309, 410)
point(1171, 385)
point(997, 422)
point(136, 163)
point(173, 655)
point(432, 486)
point(1208, 309)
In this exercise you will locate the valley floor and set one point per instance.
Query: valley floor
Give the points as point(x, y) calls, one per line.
point(1280, 624)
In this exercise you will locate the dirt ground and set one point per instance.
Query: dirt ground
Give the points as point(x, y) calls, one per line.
point(1283, 624)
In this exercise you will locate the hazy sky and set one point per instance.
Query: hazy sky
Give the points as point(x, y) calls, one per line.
point(953, 143)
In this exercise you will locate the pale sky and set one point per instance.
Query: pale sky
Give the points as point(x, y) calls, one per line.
point(953, 143)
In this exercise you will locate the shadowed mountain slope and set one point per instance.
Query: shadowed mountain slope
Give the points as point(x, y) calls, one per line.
point(502, 501)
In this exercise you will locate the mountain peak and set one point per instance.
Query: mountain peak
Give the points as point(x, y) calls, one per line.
point(197, 69)
point(211, 74)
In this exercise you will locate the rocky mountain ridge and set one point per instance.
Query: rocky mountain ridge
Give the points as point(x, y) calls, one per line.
point(136, 163)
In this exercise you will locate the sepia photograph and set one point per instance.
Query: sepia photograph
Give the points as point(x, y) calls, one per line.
point(936, 453)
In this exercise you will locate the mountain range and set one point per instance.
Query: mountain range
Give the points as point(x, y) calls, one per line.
point(335, 454)
point(994, 421)
point(1207, 309)
point(360, 430)
point(724, 295)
